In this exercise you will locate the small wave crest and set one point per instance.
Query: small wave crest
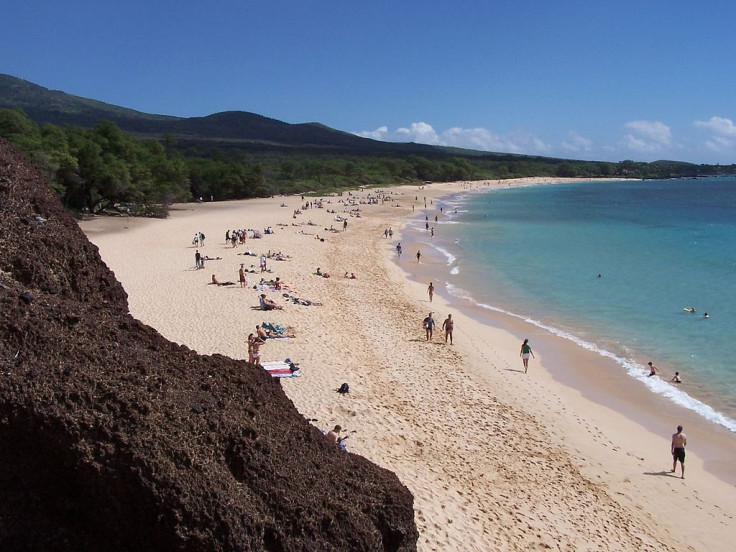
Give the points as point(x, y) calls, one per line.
point(633, 368)
point(448, 256)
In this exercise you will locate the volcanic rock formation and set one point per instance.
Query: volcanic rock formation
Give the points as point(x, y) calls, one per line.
point(113, 438)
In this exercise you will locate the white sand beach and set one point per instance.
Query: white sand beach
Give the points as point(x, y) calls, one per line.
point(496, 459)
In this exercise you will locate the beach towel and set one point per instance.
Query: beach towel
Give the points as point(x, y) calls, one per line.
point(281, 369)
point(278, 328)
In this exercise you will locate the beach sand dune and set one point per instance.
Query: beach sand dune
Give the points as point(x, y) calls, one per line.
point(496, 460)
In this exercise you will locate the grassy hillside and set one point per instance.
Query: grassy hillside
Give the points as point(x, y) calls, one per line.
point(233, 128)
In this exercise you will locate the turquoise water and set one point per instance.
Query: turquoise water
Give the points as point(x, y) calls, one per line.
point(536, 252)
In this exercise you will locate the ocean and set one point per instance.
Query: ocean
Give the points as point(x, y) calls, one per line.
point(610, 266)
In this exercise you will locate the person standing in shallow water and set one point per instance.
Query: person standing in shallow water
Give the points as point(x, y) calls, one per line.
point(526, 351)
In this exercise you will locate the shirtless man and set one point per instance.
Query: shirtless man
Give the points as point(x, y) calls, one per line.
point(430, 291)
point(448, 325)
point(679, 441)
point(652, 369)
point(262, 333)
point(334, 436)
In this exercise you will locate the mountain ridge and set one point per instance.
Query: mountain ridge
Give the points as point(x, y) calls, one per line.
point(43, 105)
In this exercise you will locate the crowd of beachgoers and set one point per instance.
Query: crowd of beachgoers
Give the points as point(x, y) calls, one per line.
point(314, 292)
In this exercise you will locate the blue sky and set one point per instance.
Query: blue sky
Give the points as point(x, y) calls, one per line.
point(642, 80)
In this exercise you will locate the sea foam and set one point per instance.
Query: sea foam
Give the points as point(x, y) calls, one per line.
point(632, 368)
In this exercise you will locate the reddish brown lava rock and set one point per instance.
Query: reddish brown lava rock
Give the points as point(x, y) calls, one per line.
point(113, 438)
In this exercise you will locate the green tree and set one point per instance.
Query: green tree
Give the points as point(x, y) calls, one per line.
point(566, 170)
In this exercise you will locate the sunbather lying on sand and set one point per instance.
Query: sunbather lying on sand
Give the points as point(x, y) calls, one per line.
point(298, 301)
point(266, 333)
point(217, 283)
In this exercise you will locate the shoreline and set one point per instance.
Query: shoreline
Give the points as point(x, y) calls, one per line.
point(494, 459)
point(570, 364)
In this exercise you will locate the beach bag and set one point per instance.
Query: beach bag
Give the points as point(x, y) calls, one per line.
point(344, 389)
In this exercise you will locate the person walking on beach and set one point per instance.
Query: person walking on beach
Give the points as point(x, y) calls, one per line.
point(428, 324)
point(526, 351)
point(448, 325)
point(430, 291)
point(398, 249)
point(419, 256)
point(197, 259)
point(679, 441)
point(241, 275)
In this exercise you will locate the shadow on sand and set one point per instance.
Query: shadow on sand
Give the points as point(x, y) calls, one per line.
point(666, 473)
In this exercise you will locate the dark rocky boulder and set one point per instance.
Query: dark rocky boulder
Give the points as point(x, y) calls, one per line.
point(113, 438)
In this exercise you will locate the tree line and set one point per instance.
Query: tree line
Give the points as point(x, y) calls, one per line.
point(104, 168)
